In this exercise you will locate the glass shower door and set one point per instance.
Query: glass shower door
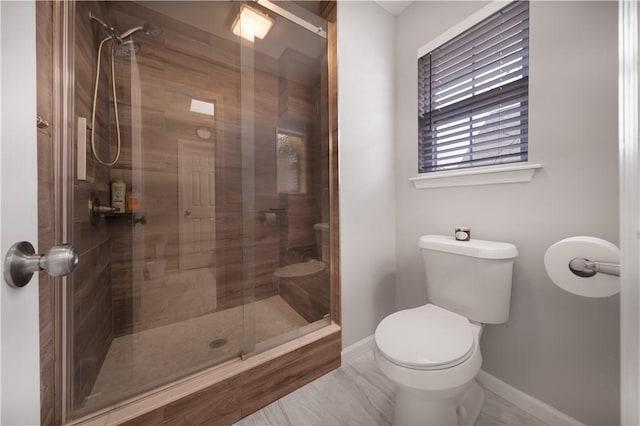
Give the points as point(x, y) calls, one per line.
point(285, 172)
point(202, 212)
point(159, 292)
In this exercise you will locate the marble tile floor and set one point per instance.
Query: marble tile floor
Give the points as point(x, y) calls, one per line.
point(358, 394)
point(152, 357)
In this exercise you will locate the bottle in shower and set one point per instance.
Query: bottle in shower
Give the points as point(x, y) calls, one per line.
point(133, 201)
point(118, 195)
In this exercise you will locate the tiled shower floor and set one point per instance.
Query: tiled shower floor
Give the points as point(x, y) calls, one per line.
point(143, 360)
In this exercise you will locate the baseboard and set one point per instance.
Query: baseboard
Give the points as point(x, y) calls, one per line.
point(359, 348)
point(533, 406)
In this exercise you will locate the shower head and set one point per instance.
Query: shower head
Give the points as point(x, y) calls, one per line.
point(127, 49)
point(147, 28)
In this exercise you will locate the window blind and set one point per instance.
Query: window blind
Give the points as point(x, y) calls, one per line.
point(473, 95)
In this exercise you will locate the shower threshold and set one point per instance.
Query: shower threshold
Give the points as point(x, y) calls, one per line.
point(150, 358)
point(307, 357)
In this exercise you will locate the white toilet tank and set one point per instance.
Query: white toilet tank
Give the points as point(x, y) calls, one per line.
point(472, 278)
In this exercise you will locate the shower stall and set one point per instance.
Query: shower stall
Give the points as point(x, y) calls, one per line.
point(199, 190)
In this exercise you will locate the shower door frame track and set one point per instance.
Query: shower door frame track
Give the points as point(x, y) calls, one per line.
point(309, 356)
point(63, 72)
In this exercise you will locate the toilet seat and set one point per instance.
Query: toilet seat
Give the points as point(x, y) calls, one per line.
point(425, 338)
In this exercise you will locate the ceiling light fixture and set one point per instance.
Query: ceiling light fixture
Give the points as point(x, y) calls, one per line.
point(251, 23)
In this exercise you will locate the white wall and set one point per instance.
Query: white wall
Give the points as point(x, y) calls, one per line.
point(367, 177)
point(20, 380)
point(557, 347)
point(1, 214)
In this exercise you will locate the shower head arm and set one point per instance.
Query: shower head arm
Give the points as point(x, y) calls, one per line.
point(130, 32)
point(148, 28)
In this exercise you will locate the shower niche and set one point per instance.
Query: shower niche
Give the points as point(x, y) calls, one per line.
point(221, 139)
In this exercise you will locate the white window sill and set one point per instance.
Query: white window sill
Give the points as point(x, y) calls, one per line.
point(489, 175)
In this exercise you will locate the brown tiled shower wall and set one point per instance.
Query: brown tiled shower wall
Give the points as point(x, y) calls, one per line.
point(187, 63)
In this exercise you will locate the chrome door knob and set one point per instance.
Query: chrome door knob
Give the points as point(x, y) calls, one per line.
point(60, 260)
point(21, 262)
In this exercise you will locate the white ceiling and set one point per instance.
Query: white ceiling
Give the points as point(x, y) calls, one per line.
point(394, 7)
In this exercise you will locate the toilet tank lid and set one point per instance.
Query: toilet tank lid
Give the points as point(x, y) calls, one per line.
point(474, 248)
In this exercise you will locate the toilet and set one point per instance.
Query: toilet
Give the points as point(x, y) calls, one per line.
point(432, 352)
point(305, 285)
point(302, 270)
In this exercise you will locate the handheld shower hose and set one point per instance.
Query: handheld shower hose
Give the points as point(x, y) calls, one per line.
point(116, 40)
point(115, 105)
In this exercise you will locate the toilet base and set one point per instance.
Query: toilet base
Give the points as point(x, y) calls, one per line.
point(471, 405)
point(459, 407)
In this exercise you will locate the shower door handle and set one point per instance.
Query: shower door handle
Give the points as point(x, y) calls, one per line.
point(22, 261)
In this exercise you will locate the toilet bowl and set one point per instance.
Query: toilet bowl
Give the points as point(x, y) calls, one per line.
point(433, 356)
point(432, 352)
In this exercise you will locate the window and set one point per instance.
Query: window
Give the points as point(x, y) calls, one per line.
point(290, 152)
point(473, 95)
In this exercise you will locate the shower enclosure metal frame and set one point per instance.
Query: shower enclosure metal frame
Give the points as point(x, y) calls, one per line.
point(64, 136)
